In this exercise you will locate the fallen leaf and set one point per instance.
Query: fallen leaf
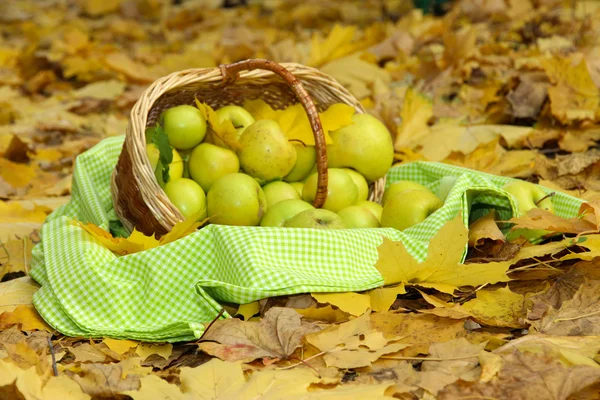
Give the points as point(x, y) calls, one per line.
point(453, 360)
point(353, 344)
point(64, 388)
point(442, 269)
point(17, 151)
point(356, 74)
point(500, 307)
point(87, 352)
point(248, 310)
point(338, 43)
point(569, 350)
point(383, 298)
point(276, 336)
point(485, 228)
point(105, 380)
point(26, 317)
point(538, 218)
point(221, 379)
point(107, 90)
point(526, 376)
point(16, 292)
point(152, 387)
point(325, 314)
point(131, 69)
point(145, 350)
point(220, 132)
point(527, 98)
point(573, 95)
point(415, 114)
point(579, 316)
point(352, 303)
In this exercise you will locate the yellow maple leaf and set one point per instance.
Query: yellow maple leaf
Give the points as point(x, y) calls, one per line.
point(337, 44)
point(260, 109)
point(442, 269)
point(416, 111)
point(350, 302)
point(137, 241)
point(383, 298)
point(294, 122)
point(17, 292)
point(340, 42)
point(26, 316)
point(501, 308)
point(574, 96)
point(219, 132)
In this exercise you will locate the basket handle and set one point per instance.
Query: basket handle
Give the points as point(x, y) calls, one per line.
point(231, 72)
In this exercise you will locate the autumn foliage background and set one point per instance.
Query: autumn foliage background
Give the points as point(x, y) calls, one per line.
point(501, 86)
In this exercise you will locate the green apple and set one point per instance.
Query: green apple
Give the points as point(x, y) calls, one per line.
point(277, 191)
point(298, 186)
point(175, 168)
point(400, 186)
point(318, 218)
point(341, 190)
point(236, 199)
point(187, 196)
point(281, 212)
point(239, 117)
point(409, 208)
point(365, 145)
point(306, 158)
point(358, 217)
point(265, 152)
point(360, 182)
point(375, 208)
point(184, 125)
point(209, 162)
point(527, 196)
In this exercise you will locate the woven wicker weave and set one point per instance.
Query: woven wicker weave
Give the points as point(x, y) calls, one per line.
point(138, 199)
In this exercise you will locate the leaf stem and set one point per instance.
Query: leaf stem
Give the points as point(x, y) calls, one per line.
point(577, 317)
point(303, 361)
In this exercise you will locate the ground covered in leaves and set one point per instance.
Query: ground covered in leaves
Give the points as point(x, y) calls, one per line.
point(502, 86)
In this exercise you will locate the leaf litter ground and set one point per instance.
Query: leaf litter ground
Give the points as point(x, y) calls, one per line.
point(511, 88)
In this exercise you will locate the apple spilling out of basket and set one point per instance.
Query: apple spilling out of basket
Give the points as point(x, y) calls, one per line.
point(270, 181)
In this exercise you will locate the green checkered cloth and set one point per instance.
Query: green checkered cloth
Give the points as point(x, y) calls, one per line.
point(168, 293)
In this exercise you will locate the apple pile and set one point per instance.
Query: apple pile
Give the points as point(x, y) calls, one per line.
point(266, 179)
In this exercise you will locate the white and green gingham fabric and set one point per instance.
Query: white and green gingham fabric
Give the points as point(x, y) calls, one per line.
point(170, 292)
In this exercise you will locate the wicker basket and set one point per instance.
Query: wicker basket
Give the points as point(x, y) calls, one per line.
point(138, 199)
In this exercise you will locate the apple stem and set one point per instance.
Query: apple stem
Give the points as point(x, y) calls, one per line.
point(297, 140)
point(545, 197)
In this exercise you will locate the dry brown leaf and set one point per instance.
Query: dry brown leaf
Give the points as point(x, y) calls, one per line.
point(276, 336)
point(106, 380)
point(525, 376)
point(537, 218)
point(485, 228)
point(87, 352)
point(578, 316)
point(527, 98)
